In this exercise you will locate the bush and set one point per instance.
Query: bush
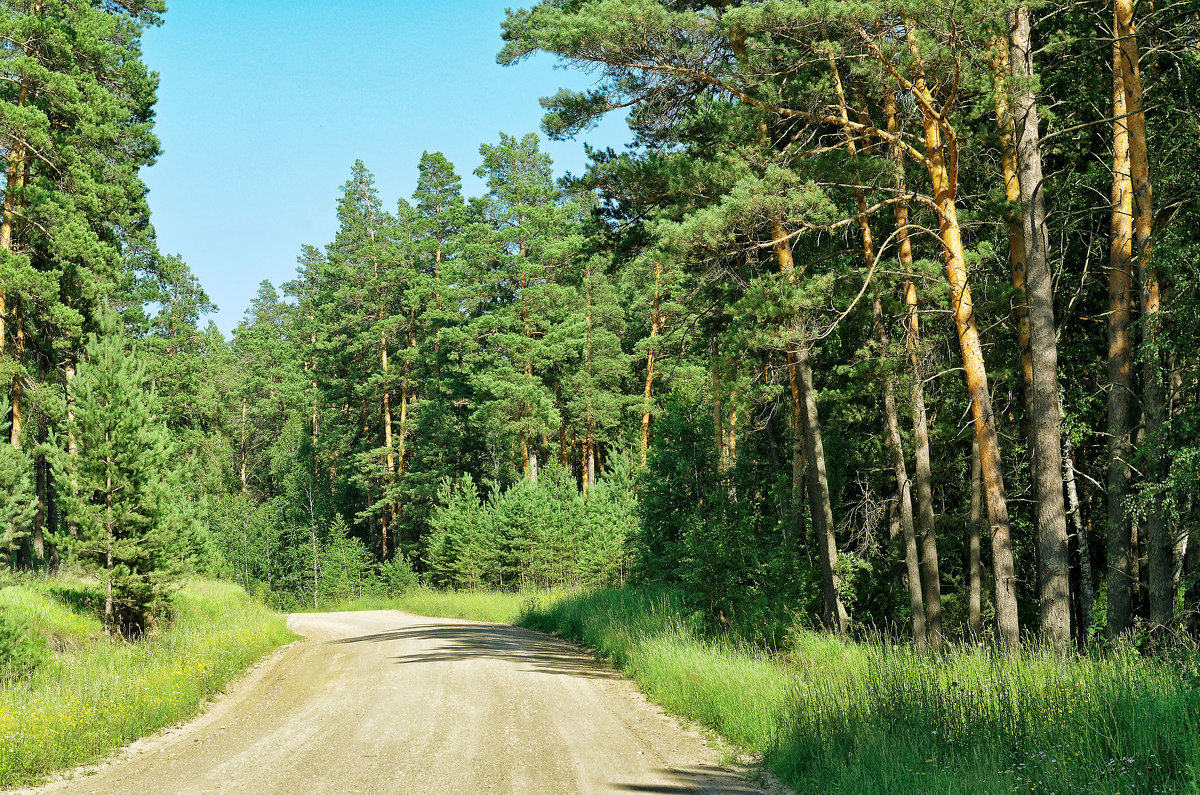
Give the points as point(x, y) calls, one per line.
point(396, 577)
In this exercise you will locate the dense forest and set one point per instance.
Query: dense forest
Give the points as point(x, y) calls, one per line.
point(886, 317)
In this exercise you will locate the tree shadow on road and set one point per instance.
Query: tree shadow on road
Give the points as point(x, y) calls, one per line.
point(696, 781)
point(464, 642)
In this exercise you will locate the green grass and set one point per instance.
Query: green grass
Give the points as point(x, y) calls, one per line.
point(499, 607)
point(93, 694)
point(840, 717)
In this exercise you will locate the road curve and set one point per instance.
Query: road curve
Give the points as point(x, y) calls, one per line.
point(388, 702)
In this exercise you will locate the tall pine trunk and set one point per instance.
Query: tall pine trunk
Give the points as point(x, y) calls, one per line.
point(942, 165)
point(930, 569)
point(904, 511)
point(891, 420)
point(1045, 426)
point(1120, 364)
point(1160, 548)
point(821, 507)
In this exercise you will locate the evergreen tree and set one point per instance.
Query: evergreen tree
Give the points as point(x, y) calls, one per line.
point(123, 482)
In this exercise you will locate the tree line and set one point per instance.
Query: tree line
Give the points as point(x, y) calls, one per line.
point(884, 315)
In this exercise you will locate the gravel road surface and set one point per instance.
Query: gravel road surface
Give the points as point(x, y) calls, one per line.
point(388, 702)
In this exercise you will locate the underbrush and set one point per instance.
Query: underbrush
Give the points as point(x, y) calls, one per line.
point(87, 694)
point(842, 717)
point(499, 607)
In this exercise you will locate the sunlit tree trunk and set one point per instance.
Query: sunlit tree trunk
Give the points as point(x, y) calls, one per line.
point(941, 152)
point(1160, 548)
point(1120, 364)
point(242, 451)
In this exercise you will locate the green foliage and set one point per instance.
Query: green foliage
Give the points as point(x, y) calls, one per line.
point(21, 651)
point(541, 535)
point(123, 481)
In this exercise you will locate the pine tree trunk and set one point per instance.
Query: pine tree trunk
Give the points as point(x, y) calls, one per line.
point(109, 561)
point(591, 464)
point(242, 451)
point(718, 409)
point(14, 182)
point(1120, 365)
point(18, 417)
point(1054, 575)
point(974, 544)
point(943, 171)
point(562, 423)
point(821, 508)
point(1160, 548)
point(903, 492)
point(930, 568)
point(387, 438)
point(38, 538)
point(818, 489)
point(655, 323)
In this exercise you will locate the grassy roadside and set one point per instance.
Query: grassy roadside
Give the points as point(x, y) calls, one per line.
point(92, 695)
point(837, 717)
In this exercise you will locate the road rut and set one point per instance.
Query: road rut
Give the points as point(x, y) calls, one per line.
point(383, 701)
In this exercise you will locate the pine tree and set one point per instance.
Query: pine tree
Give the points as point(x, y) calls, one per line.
point(123, 481)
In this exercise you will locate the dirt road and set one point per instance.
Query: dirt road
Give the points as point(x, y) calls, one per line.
point(393, 703)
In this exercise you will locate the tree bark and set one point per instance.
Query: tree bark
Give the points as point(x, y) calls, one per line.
point(242, 451)
point(974, 544)
point(1045, 426)
point(18, 416)
point(903, 493)
point(943, 170)
point(1120, 364)
point(818, 489)
point(930, 568)
point(1160, 548)
point(821, 508)
point(655, 323)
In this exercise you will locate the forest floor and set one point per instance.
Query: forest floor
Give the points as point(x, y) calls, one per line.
point(384, 701)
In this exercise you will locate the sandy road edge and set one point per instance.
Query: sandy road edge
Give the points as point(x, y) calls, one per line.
point(209, 710)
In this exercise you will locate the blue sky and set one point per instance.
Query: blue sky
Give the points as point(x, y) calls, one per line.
point(264, 106)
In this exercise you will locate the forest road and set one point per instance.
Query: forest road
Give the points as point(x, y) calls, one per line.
point(387, 702)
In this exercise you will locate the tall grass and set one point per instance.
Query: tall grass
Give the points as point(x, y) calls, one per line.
point(94, 694)
point(841, 717)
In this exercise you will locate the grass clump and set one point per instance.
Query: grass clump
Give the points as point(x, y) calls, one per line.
point(843, 717)
point(90, 695)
